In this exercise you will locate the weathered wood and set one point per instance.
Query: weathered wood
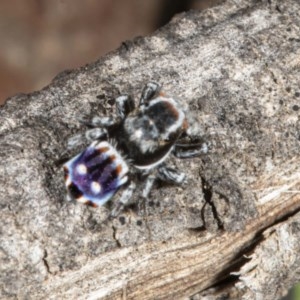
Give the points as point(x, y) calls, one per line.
point(237, 67)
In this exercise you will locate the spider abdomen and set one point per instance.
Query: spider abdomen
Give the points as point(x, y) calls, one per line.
point(94, 176)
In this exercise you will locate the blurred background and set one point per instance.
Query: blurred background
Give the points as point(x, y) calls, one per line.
point(40, 38)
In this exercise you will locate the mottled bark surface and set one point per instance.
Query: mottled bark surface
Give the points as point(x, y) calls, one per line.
point(234, 228)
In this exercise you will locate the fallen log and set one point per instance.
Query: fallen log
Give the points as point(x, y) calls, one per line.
point(234, 230)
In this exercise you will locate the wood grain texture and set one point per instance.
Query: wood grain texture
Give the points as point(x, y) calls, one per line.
point(236, 66)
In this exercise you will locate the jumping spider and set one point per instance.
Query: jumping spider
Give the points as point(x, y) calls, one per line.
point(136, 141)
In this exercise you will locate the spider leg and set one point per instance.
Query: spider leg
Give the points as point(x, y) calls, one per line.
point(148, 186)
point(124, 105)
point(190, 150)
point(124, 199)
point(193, 129)
point(165, 174)
point(171, 175)
point(192, 142)
point(149, 92)
point(99, 122)
point(96, 134)
point(90, 135)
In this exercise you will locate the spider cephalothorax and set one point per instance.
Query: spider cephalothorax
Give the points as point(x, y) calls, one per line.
point(137, 140)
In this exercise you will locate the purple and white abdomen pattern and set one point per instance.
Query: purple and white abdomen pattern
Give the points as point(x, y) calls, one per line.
point(94, 176)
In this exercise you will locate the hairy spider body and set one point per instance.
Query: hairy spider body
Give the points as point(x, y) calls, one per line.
point(149, 134)
point(144, 138)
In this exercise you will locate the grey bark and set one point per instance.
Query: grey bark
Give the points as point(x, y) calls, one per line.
point(233, 231)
